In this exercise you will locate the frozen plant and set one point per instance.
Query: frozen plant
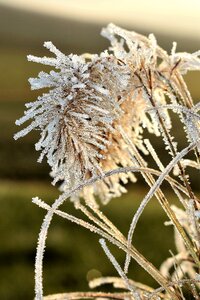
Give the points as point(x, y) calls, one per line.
point(91, 124)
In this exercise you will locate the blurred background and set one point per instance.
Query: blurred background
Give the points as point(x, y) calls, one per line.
point(73, 255)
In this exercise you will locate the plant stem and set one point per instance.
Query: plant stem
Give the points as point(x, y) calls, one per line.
point(118, 241)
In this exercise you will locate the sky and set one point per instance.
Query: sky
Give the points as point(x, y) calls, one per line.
point(170, 16)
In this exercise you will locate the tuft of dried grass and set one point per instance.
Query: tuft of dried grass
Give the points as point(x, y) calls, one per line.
point(92, 122)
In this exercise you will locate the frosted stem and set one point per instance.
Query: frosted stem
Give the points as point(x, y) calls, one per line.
point(119, 269)
point(138, 257)
point(165, 205)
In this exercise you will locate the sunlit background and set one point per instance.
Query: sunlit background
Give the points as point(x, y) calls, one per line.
point(73, 256)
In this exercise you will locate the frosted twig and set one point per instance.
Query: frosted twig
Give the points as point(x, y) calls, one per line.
point(116, 265)
point(175, 108)
point(118, 282)
point(47, 221)
point(174, 283)
point(41, 245)
point(154, 154)
point(88, 295)
point(152, 192)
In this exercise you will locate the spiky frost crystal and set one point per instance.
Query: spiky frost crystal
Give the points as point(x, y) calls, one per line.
point(98, 104)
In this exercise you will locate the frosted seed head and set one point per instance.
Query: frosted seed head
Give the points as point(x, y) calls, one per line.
point(91, 95)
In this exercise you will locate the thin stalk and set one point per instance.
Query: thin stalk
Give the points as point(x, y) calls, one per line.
point(135, 254)
point(107, 222)
point(106, 225)
point(161, 198)
point(154, 189)
point(88, 295)
point(183, 87)
point(162, 124)
point(49, 216)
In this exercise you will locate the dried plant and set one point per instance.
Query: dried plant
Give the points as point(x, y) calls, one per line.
point(92, 122)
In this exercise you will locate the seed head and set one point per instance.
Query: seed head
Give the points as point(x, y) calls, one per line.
point(95, 108)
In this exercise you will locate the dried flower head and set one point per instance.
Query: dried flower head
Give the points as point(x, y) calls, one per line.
point(98, 105)
point(80, 115)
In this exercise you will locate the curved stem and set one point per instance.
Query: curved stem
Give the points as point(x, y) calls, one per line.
point(47, 221)
point(135, 254)
point(165, 205)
